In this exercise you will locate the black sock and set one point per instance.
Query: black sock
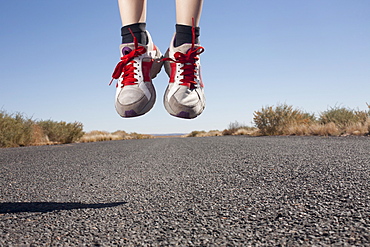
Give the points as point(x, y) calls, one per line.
point(184, 35)
point(139, 32)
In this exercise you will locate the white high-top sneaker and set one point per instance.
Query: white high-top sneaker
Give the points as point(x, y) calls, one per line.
point(135, 93)
point(184, 96)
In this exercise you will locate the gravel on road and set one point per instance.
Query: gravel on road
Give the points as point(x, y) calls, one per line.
point(212, 191)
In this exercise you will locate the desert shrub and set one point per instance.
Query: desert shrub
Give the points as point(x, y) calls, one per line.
point(343, 117)
point(195, 133)
point(276, 120)
point(15, 130)
point(62, 132)
point(227, 132)
point(18, 130)
point(38, 136)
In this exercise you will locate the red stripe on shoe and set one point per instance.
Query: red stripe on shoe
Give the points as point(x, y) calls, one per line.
point(173, 72)
point(146, 66)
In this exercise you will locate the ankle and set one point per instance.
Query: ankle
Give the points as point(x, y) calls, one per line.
point(139, 31)
point(184, 35)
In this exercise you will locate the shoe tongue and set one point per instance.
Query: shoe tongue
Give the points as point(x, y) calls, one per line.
point(185, 48)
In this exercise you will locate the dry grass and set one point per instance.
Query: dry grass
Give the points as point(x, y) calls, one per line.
point(38, 136)
point(210, 133)
point(97, 136)
point(246, 131)
point(203, 133)
point(250, 131)
point(298, 129)
point(358, 129)
point(328, 129)
point(17, 130)
point(313, 129)
point(316, 129)
point(285, 120)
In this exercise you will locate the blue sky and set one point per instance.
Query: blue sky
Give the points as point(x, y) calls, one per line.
point(56, 60)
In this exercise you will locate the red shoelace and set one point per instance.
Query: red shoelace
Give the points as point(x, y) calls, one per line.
point(126, 65)
point(188, 60)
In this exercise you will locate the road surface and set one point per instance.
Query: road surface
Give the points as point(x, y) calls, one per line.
point(213, 191)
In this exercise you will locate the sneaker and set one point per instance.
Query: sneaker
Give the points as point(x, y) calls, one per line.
point(135, 93)
point(184, 96)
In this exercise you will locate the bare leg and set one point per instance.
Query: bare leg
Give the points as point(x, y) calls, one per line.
point(132, 11)
point(133, 17)
point(186, 10)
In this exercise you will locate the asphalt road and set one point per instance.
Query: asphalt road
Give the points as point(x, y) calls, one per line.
point(214, 191)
